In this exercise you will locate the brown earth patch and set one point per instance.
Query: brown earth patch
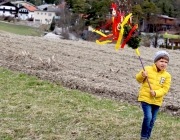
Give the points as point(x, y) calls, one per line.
point(86, 66)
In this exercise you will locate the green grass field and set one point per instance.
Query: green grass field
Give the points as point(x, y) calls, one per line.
point(19, 29)
point(32, 109)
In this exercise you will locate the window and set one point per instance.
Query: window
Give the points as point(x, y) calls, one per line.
point(37, 20)
point(165, 20)
point(49, 14)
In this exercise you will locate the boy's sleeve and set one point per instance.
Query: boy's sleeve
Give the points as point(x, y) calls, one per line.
point(161, 92)
point(139, 77)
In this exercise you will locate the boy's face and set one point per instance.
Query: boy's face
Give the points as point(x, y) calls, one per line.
point(161, 64)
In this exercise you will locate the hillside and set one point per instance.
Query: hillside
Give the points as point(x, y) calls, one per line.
point(86, 66)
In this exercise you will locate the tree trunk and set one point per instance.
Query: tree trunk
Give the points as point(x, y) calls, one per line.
point(155, 41)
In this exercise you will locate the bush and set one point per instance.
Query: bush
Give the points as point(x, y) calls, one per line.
point(10, 19)
point(1, 17)
point(170, 47)
point(30, 19)
point(65, 34)
point(145, 41)
point(44, 27)
point(6, 17)
point(92, 36)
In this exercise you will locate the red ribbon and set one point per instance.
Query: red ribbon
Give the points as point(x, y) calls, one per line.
point(129, 35)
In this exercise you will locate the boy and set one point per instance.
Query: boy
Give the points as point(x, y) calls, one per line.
point(151, 98)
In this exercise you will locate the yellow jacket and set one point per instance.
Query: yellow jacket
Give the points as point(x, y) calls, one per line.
point(159, 81)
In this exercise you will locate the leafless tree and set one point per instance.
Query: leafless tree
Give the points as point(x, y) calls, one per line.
point(68, 21)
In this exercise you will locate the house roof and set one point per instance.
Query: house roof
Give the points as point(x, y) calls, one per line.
point(22, 3)
point(44, 11)
point(45, 6)
point(31, 8)
point(7, 4)
point(165, 16)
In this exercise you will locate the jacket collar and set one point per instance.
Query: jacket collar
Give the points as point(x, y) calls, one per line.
point(155, 68)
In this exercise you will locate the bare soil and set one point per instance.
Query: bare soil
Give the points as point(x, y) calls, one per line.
point(87, 66)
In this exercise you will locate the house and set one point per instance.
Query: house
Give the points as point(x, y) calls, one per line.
point(43, 17)
point(22, 3)
point(166, 23)
point(45, 13)
point(26, 12)
point(159, 23)
point(8, 9)
point(25, 9)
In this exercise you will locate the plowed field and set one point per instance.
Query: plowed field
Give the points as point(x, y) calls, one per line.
point(83, 65)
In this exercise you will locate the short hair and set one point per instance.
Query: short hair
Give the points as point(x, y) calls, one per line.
point(163, 57)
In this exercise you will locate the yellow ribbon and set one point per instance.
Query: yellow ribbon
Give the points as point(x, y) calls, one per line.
point(103, 42)
point(122, 31)
point(99, 32)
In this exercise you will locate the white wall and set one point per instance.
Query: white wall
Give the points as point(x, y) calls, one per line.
point(7, 13)
point(43, 17)
point(24, 16)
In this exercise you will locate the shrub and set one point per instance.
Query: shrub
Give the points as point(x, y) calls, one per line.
point(10, 19)
point(6, 17)
point(30, 19)
point(2, 17)
point(65, 34)
point(170, 47)
point(92, 36)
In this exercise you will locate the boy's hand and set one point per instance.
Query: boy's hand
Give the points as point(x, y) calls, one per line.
point(153, 93)
point(144, 74)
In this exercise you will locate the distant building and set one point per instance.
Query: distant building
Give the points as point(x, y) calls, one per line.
point(160, 24)
point(8, 9)
point(43, 17)
point(26, 12)
point(45, 13)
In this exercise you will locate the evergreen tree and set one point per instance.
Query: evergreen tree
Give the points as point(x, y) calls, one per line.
point(170, 14)
point(80, 6)
point(98, 13)
point(164, 11)
point(52, 27)
point(137, 13)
